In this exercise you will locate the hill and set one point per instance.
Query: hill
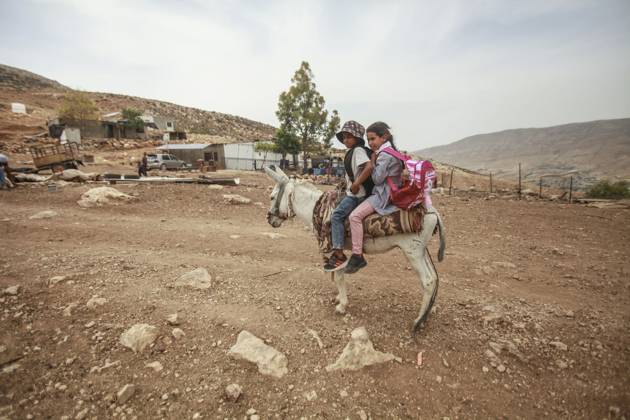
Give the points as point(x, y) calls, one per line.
point(43, 97)
point(597, 149)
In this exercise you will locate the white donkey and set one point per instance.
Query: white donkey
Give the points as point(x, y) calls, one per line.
point(292, 198)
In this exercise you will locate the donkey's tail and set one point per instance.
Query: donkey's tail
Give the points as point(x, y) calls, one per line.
point(440, 228)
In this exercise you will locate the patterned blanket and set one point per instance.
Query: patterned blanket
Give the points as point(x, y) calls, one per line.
point(374, 225)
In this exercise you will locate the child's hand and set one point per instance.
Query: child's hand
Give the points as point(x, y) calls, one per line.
point(355, 188)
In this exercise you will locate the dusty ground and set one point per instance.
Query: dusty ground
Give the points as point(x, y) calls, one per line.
point(527, 273)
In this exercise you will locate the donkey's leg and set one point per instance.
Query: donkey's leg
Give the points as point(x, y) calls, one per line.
point(417, 254)
point(342, 295)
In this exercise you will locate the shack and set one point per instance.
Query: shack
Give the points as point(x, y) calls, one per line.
point(237, 156)
point(191, 153)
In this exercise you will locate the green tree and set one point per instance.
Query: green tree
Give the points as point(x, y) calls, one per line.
point(302, 114)
point(77, 106)
point(132, 116)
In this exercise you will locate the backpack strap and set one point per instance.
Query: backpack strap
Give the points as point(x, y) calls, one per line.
point(391, 151)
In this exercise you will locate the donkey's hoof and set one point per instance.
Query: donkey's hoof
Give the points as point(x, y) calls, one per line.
point(340, 309)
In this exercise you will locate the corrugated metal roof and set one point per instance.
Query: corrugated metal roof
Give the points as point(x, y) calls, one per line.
point(192, 146)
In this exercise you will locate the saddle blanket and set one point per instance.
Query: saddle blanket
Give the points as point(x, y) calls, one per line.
point(375, 225)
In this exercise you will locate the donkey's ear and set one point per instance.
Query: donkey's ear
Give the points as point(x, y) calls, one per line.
point(273, 173)
point(281, 172)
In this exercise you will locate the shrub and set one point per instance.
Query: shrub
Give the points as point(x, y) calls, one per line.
point(606, 189)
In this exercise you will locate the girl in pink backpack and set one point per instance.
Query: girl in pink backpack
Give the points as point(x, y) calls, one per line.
point(385, 166)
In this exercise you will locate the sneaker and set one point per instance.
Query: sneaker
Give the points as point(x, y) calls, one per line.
point(335, 263)
point(356, 263)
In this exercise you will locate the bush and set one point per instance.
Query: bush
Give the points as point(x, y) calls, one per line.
point(606, 189)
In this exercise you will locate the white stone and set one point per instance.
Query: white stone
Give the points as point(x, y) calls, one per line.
point(559, 345)
point(46, 214)
point(359, 352)
point(173, 319)
point(138, 337)
point(125, 393)
point(177, 333)
point(236, 199)
point(196, 279)
point(156, 366)
point(252, 349)
point(12, 290)
point(95, 301)
point(233, 392)
point(68, 309)
point(102, 195)
point(56, 279)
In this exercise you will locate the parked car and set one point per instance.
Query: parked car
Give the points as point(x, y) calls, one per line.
point(164, 161)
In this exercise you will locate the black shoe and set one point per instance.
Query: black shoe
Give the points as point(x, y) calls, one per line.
point(335, 263)
point(356, 263)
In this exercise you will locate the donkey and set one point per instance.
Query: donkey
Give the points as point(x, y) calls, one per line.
point(291, 198)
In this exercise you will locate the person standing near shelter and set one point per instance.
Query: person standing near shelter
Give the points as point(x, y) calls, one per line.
point(5, 179)
point(142, 168)
point(358, 170)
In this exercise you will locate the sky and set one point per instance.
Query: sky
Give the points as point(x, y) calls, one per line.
point(435, 71)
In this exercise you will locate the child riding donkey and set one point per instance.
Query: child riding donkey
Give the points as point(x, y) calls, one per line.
point(358, 171)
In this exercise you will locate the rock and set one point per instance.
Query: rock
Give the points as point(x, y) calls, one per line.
point(252, 349)
point(562, 364)
point(359, 352)
point(31, 177)
point(236, 199)
point(508, 346)
point(56, 279)
point(12, 290)
point(503, 264)
point(233, 392)
point(501, 368)
point(102, 195)
point(46, 214)
point(251, 412)
point(177, 333)
point(274, 235)
point(494, 360)
point(68, 309)
point(156, 366)
point(196, 279)
point(362, 415)
point(82, 414)
point(314, 334)
point(125, 393)
point(559, 345)
point(138, 337)
point(173, 319)
point(310, 396)
point(75, 175)
point(95, 301)
point(213, 187)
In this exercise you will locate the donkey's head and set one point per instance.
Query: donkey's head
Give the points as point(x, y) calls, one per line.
point(280, 209)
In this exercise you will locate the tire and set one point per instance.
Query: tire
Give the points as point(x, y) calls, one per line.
point(163, 167)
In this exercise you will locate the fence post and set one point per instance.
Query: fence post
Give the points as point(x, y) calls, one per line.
point(571, 190)
point(490, 182)
point(519, 180)
point(450, 186)
point(540, 188)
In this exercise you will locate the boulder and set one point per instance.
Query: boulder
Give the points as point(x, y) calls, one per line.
point(233, 392)
point(95, 301)
point(102, 195)
point(196, 279)
point(252, 349)
point(359, 352)
point(75, 175)
point(138, 337)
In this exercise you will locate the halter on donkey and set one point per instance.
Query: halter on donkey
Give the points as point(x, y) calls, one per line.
point(290, 198)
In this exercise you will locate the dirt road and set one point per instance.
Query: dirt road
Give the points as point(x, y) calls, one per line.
point(543, 286)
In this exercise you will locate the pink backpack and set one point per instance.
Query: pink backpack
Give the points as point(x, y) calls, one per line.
point(417, 188)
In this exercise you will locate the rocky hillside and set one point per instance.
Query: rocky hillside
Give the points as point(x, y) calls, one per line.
point(43, 97)
point(597, 149)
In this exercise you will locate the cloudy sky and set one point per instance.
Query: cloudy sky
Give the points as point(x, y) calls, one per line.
point(436, 71)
